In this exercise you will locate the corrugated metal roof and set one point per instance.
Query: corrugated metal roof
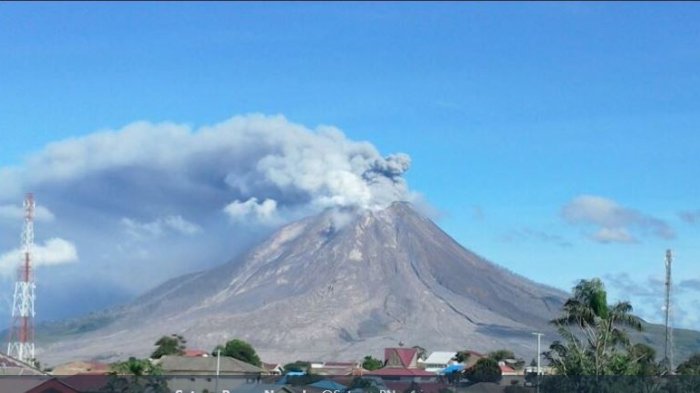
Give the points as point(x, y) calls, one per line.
point(439, 357)
point(201, 365)
point(12, 366)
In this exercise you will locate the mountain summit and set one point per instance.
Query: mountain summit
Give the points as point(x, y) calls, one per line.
point(342, 284)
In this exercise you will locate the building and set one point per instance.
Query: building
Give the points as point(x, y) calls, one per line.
point(401, 364)
point(190, 366)
point(507, 370)
point(34, 384)
point(82, 368)
point(195, 353)
point(438, 361)
point(273, 368)
point(473, 358)
point(12, 366)
point(337, 368)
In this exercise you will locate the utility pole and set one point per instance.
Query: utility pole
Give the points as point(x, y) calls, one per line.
point(668, 344)
point(21, 341)
point(218, 370)
point(539, 337)
point(539, 351)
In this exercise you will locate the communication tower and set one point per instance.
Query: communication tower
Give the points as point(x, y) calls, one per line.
point(21, 342)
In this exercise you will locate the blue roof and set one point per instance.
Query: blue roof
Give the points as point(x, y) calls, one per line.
point(327, 384)
point(453, 368)
point(283, 380)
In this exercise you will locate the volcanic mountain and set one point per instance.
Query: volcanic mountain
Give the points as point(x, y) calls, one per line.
point(339, 285)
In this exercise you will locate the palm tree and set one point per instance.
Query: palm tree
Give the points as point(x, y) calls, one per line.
point(601, 330)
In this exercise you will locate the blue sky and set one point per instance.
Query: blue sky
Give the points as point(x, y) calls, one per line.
point(510, 113)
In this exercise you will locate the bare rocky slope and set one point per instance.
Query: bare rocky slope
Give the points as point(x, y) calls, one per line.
point(333, 286)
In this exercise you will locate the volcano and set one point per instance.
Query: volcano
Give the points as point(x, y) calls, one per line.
point(339, 285)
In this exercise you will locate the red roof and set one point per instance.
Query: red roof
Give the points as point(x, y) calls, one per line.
point(86, 382)
point(506, 369)
point(401, 372)
point(52, 385)
point(405, 355)
point(194, 353)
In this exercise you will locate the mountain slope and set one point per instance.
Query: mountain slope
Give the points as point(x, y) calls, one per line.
point(337, 285)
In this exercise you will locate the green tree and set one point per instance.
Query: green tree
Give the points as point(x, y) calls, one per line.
point(501, 354)
point(135, 367)
point(135, 376)
point(642, 361)
point(593, 332)
point(371, 364)
point(421, 352)
point(169, 345)
point(364, 384)
point(505, 354)
point(461, 356)
point(298, 366)
point(691, 366)
point(484, 370)
point(239, 349)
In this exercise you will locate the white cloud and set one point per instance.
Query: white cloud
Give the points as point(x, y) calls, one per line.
point(242, 211)
point(160, 226)
point(55, 251)
point(16, 212)
point(614, 223)
point(181, 225)
point(613, 235)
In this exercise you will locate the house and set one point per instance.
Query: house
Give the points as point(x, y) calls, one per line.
point(87, 383)
point(199, 373)
point(473, 358)
point(20, 377)
point(195, 353)
point(80, 367)
point(401, 364)
point(337, 368)
point(12, 366)
point(33, 384)
point(507, 370)
point(190, 366)
point(273, 368)
point(438, 361)
point(329, 385)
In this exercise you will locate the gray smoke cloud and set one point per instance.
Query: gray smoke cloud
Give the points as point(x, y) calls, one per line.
point(163, 199)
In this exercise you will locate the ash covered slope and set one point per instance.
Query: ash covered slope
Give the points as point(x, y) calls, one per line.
point(337, 285)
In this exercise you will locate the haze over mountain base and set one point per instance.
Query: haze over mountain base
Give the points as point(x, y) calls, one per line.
point(339, 285)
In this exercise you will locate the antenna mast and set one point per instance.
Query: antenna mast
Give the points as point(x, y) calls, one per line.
point(668, 347)
point(21, 343)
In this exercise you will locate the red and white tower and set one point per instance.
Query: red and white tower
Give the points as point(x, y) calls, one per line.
point(21, 342)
